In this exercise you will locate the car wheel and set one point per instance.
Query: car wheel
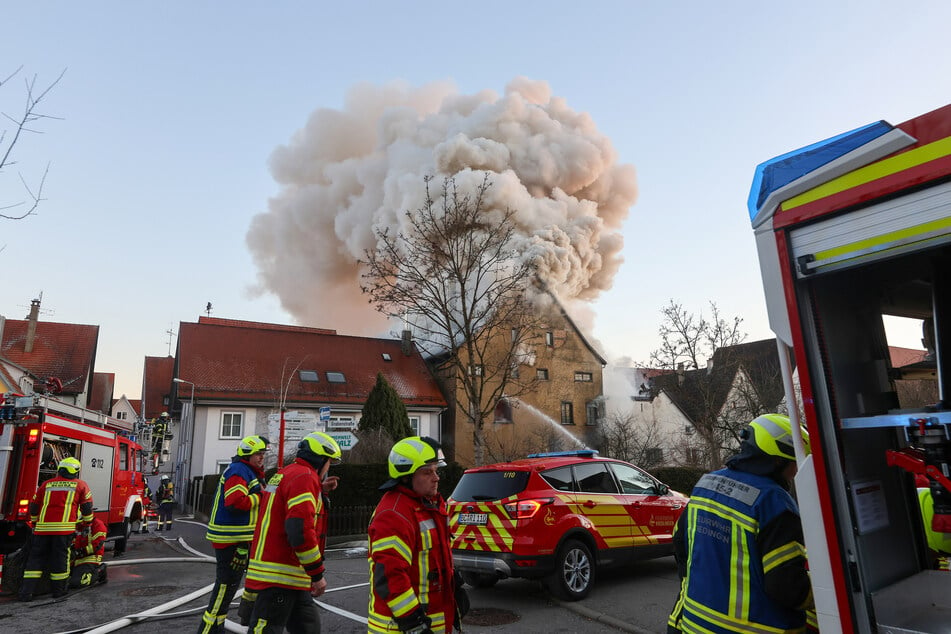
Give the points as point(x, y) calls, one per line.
point(574, 572)
point(479, 579)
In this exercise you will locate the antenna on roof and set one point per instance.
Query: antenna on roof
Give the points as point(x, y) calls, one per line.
point(39, 311)
point(170, 333)
point(208, 309)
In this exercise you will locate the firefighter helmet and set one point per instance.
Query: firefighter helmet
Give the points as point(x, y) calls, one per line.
point(251, 445)
point(414, 452)
point(165, 477)
point(772, 435)
point(321, 445)
point(70, 466)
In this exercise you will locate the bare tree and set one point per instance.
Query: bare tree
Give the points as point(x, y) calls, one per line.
point(21, 123)
point(623, 437)
point(453, 270)
point(686, 339)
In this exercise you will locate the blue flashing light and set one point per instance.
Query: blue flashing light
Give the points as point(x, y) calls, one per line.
point(580, 453)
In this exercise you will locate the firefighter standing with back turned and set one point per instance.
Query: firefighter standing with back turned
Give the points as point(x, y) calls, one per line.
point(413, 587)
point(60, 506)
point(739, 544)
point(166, 502)
point(287, 554)
point(231, 527)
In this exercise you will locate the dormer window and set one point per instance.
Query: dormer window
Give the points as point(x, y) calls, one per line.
point(309, 376)
point(336, 377)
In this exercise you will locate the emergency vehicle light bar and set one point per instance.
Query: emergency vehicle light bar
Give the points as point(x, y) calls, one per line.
point(581, 453)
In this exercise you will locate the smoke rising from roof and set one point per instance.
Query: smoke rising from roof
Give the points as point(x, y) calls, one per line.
point(349, 171)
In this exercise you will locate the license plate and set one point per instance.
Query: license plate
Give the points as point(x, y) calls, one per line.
point(477, 519)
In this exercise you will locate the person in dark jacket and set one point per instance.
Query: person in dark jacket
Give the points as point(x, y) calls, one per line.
point(166, 502)
point(739, 543)
point(231, 527)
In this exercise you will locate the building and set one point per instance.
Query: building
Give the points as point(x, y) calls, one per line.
point(233, 378)
point(557, 375)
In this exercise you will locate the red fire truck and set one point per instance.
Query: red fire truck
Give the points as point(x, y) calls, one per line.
point(36, 432)
point(854, 235)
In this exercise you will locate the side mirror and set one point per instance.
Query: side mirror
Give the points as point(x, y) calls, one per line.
point(662, 489)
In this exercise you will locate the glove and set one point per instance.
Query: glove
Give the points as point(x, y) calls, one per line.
point(240, 560)
point(415, 623)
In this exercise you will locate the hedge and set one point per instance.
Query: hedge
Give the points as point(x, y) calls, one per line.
point(680, 479)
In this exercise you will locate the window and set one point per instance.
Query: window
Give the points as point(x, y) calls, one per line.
point(584, 377)
point(654, 456)
point(559, 479)
point(387, 357)
point(475, 369)
point(414, 423)
point(165, 400)
point(694, 456)
point(567, 413)
point(633, 481)
point(593, 477)
point(336, 377)
point(231, 424)
point(503, 411)
point(549, 339)
point(222, 466)
point(122, 415)
point(123, 456)
point(340, 423)
point(309, 376)
point(541, 374)
point(688, 430)
point(592, 411)
point(514, 372)
point(514, 335)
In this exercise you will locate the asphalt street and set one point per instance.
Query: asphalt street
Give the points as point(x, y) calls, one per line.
point(161, 585)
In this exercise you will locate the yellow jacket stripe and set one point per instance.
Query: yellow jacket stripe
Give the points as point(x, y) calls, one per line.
point(394, 543)
point(782, 555)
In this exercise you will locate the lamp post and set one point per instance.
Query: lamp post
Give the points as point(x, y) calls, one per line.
point(185, 445)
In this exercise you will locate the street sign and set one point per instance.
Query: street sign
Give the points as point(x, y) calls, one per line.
point(345, 439)
point(325, 414)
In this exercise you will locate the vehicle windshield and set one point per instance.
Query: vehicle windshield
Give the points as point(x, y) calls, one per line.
point(484, 486)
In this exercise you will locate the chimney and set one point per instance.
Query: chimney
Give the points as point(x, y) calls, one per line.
point(407, 342)
point(31, 327)
point(680, 374)
point(709, 365)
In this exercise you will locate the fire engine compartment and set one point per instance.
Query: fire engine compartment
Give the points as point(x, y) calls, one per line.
point(865, 407)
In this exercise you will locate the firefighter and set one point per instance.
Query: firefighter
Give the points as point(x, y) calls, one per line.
point(231, 526)
point(739, 543)
point(287, 562)
point(412, 584)
point(87, 550)
point(59, 506)
point(166, 501)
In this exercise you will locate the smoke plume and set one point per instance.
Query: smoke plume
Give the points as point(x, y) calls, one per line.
point(349, 171)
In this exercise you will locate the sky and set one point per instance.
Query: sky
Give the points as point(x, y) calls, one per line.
point(184, 138)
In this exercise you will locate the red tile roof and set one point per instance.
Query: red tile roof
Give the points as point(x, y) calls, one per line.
point(64, 351)
point(905, 356)
point(233, 360)
point(156, 383)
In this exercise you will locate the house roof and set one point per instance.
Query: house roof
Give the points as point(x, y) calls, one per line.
point(156, 383)
point(64, 351)
point(100, 394)
point(704, 391)
point(238, 360)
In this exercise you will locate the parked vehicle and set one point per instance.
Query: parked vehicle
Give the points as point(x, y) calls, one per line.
point(38, 431)
point(558, 517)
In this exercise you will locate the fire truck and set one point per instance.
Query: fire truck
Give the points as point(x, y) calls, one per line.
point(36, 432)
point(853, 235)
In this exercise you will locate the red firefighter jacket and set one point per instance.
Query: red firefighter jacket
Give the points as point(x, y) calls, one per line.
point(59, 504)
point(90, 547)
point(289, 537)
point(410, 561)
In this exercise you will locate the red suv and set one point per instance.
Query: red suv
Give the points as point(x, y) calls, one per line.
point(556, 517)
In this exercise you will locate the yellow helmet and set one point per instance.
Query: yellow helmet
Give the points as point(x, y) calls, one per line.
point(251, 445)
point(321, 445)
point(772, 435)
point(70, 465)
point(414, 452)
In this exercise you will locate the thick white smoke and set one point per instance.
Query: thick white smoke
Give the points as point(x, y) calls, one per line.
point(351, 170)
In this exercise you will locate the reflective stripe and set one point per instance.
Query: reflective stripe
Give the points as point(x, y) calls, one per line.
point(718, 619)
point(396, 544)
point(404, 603)
point(744, 521)
point(782, 554)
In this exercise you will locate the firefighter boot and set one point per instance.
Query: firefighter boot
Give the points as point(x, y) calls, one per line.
point(159, 529)
point(103, 576)
point(59, 589)
point(26, 589)
point(168, 526)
